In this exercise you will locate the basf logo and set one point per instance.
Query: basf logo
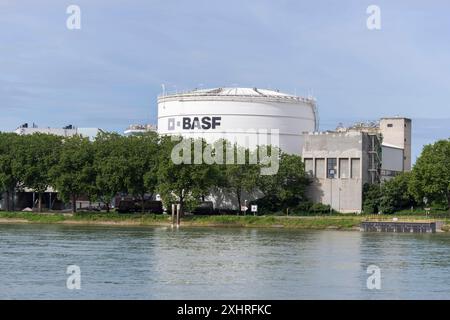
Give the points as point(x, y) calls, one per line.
point(188, 123)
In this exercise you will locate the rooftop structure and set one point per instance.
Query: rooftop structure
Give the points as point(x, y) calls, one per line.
point(136, 129)
point(66, 131)
point(395, 133)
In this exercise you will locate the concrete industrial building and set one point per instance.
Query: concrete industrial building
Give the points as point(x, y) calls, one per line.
point(137, 129)
point(397, 134)
point(339, 164)
point(66, 131)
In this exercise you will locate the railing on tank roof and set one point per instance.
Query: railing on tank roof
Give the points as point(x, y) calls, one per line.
point(215, 92)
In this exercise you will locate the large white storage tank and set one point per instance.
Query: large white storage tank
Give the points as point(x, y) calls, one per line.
point(238, 114)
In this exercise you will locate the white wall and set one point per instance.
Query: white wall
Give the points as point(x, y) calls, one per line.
point(392, 159)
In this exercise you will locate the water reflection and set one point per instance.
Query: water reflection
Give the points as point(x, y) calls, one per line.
point(219, 263)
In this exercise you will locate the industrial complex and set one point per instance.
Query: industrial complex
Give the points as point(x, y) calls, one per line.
point(339, 162)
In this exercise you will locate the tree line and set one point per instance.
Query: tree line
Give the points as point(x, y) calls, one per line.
point(140, 166)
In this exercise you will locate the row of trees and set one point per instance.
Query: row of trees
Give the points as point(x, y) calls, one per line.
point(429, 179)
point(139, 166)
point(142, 165)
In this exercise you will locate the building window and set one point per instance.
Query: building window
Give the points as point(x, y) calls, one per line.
point(331, 168)
point(390, 125)
point(356, 168)
point(320, 168)
point(309, 167)
point(344, 169)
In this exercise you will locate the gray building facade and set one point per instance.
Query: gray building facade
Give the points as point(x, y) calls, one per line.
point(339, 164)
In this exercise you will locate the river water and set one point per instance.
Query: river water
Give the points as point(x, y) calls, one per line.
point(219, 263)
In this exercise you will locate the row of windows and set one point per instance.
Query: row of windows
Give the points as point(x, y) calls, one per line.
point(348, 168)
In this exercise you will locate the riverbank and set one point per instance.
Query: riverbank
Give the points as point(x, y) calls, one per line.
point(340, 222)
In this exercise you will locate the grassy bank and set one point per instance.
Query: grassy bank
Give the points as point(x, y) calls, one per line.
point(320, 222)
point(339, 222)
point(84, 218)
point(335, 222)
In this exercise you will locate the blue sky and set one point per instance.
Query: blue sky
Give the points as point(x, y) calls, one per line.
point(109, 73)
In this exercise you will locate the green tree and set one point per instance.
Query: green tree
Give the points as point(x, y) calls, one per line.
point(210, 177)
point(287, 187)
point(74, 174)
point(36, 156)
point(395, 194)
point(431, 174)
point(9, 166)
point(241, 176)
point(180, 177)
point(371, 198)
point(142, 159)
point(110, 165)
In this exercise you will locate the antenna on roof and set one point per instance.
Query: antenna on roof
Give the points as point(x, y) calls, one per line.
point(163, 89)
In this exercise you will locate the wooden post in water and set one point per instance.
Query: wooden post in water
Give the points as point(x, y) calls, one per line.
point(178, 215)
point(173, 215)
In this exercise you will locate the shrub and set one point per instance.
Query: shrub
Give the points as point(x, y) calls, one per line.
point(267, 205)
point(304, 206)
point(370, 208)
point(320, 208)
point(371, 198)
